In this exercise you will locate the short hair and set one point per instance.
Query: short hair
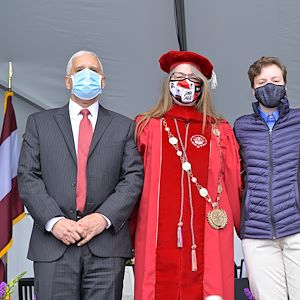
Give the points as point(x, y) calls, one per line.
point(256, 67)
point(79, 53)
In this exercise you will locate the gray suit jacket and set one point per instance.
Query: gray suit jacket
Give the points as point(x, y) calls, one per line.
point(47, 179)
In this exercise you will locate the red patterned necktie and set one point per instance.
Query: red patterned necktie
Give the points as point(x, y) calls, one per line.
point(84, 142)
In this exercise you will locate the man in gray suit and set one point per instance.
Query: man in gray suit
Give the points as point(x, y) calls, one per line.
point(80, 176)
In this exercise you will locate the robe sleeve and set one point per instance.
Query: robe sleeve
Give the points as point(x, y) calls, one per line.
point(232, 174)
point(141, 142)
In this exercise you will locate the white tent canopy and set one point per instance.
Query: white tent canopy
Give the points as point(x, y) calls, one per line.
point(129, 36)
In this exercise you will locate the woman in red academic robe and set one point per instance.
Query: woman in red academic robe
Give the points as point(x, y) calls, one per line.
point(190, 200)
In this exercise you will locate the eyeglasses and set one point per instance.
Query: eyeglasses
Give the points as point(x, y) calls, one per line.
point(181, 76)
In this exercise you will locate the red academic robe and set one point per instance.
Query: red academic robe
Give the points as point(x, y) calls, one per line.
point(162, 270)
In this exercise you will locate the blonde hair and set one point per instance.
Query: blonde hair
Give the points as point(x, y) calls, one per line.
point(165, 103)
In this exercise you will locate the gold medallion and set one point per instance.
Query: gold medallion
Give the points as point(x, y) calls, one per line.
point(217, 218)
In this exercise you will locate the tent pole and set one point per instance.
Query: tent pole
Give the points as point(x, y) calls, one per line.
point(180, 24)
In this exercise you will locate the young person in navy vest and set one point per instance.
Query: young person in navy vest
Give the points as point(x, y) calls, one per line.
point(269, 142)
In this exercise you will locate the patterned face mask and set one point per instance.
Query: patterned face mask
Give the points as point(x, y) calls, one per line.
point(270, 94)
point(185, 91)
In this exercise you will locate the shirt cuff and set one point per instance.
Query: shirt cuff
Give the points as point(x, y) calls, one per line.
point(107, 220)
point(49, 225)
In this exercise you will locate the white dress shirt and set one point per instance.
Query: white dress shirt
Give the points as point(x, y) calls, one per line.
point(76, 117)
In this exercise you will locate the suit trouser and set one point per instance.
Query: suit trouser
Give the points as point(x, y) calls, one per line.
point(79, 275)
point(273, 267)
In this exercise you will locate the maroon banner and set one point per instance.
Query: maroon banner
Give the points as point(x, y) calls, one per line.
point(9, 121)
point(11, 207)
point(2, 271)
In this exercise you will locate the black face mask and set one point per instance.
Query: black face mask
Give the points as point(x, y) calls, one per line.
point(270, 94)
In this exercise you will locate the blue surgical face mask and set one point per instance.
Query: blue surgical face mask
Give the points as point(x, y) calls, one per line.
point(86, 84)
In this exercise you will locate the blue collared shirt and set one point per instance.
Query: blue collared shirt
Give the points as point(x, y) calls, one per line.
point(269, 119)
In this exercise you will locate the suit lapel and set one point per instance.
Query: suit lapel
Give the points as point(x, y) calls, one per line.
point(62, 118)
point(103, 120)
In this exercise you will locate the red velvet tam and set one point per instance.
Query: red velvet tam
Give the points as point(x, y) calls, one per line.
point(171, 59)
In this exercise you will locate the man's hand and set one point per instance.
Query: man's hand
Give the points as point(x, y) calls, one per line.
point(68, 231)
point(93, 224)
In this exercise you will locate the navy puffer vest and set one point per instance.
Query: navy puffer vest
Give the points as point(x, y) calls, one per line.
point(271, 205)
